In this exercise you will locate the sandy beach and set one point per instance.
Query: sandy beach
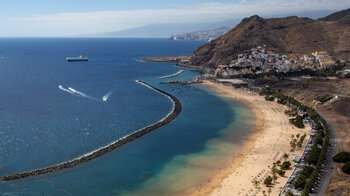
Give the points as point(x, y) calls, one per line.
point(254, 160)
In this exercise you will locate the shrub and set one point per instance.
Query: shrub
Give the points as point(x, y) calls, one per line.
point(346, 167)
point(281, 172)
point(302, 138)
point(268, 181)
point(324, 98)
point(285, 165)
point(290, 193)
point(342, 157)
point(269, 98)
point(298, 121)
point(292, 112)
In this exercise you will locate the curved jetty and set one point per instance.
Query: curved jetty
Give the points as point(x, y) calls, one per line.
point(172, 75)
point(177, 108)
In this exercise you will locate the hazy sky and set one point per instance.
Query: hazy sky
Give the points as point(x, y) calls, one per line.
point(73, 17)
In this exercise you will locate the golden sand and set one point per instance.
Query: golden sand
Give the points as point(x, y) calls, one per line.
point(268, 144)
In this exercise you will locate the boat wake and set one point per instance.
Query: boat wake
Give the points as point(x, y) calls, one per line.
point(106, 96)
point(175, 112)
point(77, 93)
point(66, 90)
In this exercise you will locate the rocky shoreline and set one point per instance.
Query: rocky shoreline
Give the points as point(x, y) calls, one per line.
point(177, 108)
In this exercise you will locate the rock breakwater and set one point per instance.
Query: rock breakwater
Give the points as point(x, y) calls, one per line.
point(177, 108)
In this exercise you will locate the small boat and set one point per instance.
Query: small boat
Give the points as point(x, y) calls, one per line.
point(80, 58)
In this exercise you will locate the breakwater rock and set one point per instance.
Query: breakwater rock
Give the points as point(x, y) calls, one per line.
point(177, 108)
point(182, 82)
point(172, 75)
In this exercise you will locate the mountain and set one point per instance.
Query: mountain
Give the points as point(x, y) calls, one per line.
point(342, 17)
point(166, 30)
point(289, 35)
point(207, 35)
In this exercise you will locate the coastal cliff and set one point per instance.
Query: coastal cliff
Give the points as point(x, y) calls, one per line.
point(290, 35)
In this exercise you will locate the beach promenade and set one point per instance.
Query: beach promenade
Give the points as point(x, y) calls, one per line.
point(254, 161)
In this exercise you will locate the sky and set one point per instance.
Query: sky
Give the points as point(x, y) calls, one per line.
point(59, 18)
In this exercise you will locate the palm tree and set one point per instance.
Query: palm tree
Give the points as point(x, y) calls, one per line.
point(274, 177)
point(269, 191)
point(256, 183)
point(285, 156)
point(264, 192)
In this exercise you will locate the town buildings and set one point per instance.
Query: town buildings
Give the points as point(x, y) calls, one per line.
point(260, 60)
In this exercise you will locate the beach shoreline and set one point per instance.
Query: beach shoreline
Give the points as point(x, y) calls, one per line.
point(259, 149)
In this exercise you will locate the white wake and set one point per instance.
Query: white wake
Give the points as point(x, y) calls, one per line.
point(106, 96)
point(78, 92)
point(66, 90)
point(75, 92)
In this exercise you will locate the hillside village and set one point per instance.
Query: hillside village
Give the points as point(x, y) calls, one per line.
point(259, 60)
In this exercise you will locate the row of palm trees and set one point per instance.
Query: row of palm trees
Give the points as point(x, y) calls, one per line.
point(269, 179)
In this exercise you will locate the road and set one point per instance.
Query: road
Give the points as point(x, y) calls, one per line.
point(332, 150)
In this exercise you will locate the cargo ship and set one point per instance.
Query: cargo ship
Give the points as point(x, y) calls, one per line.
point(80, 58)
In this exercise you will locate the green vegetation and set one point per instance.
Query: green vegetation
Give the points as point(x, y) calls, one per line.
point(301, 141)
point(281, 172)
point(256, 183)
point(346, 167)
point(303, 176)
point(319, 138)
point(300, 181)
point(268, 181)
point(292, 112)
point(292, 145)
point(324, 98)
point(316, 155)
point(342, 157)
point(329, 71)
point(285, 165)
point(269, 98)
point(298, 122)
point(289, 193)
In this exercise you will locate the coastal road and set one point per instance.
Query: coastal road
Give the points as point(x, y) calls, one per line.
point(332, 150)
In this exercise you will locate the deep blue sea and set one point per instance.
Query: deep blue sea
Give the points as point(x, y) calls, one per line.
point(43, 123)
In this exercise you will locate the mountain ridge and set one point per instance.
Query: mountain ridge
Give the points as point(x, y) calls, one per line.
point(288, 35)
point(204, 35)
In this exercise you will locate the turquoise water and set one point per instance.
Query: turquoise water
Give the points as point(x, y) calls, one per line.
point(42, 124)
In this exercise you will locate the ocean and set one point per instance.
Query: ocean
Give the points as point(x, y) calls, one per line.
point(53, 111)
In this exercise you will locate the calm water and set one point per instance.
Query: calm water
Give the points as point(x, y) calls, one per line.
point(43, 123)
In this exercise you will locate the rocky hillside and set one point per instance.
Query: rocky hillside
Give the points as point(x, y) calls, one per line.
point(339, 17)
point(290, 35)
